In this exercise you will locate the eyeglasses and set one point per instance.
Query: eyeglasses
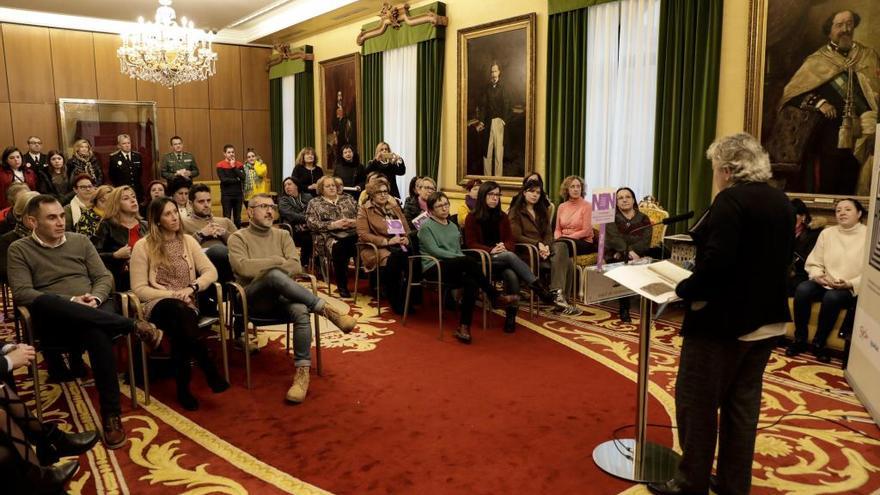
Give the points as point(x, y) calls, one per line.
point(429, 188)
point(265, 206)
point(85, 188)
point(35, 142)
point(383, 192)
point(441, 205)
point(494, 194)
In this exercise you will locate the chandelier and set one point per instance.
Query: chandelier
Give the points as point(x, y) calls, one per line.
point(166, 53)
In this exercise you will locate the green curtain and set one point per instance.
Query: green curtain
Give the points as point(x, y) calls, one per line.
point(566, 97)
point(405, 35)
point(304, 108)
point(429, 93)
point(689, 57)
point(372, 105)
point(276, 137)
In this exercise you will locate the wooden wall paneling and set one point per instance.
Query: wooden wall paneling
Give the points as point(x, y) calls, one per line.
point(226, 129)
point(147, 91)
point(4, 89)
point(193, 125)
point(36, 119)
point(225, 86)
point(254, 78)
point(112, 84)
point(166, 127)
point(6, 138)
point(29, 64)
point(191, 95)
point(255, 131)
point(73, 64)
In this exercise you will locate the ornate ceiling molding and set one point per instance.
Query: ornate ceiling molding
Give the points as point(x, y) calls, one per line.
point(397, 15)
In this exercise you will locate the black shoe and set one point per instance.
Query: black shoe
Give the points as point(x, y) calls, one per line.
point(218, 384)
point(51, 480)
point(795, 348)
point(821, 354)
point(510, 320)
point(546, 296)
point(463, 334)
point(713, 484)
point(187, 400)
point(59, 444)
point(625, 317)
point(344, 293)
point(671, 487)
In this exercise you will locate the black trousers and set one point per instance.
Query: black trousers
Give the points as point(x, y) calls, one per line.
point(61, 323)
point(232, 208)
point(466, 273)
point(727, 374)
point(303, 240)
point(181, 325)
point(393, 277)
point(344, 250)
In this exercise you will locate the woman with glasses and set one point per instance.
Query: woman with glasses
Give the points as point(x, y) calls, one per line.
point(82, 201)
point(168, 270)
point(381, 222)
point(441, 239)
point(118, 232)
point(84, 161)
point(488, 228)
point(332, 218)
point(417, 204)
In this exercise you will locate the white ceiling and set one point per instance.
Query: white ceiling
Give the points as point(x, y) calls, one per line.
point(233, 21)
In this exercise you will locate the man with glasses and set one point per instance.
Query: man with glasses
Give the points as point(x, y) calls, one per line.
point(263, 259)
point(35, 158)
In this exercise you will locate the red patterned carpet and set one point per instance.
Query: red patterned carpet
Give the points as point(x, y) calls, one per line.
point(399, 411)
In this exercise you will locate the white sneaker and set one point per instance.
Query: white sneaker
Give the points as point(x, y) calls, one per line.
point(559, 299)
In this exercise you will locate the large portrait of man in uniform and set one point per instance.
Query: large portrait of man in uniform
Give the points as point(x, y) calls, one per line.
point(814, 92)
point(496, 70)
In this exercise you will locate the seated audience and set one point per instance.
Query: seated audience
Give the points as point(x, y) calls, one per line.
point(533, 177)
point(211, 232)
point(255, 170)
point(21, 229)
point(389, 165)
point(53, 179)
point(29, 447)
point(417, 203)
point(372, 176)
point(263, 259)
point(381, 222)
point(292, 209)
point(306, 171)
point(349, 168)
point(84, 161)
point(621, 243)
point(441, 239)
point(13, 171)
point(835, 270)
point(82, 201)
point(472, 188)
point(168, 271)
point(156, 189)
point(530, 224)
point(178, 190)
point(90, 219)
point(119, 230)
point(231, 174)
point(487, 228)
point(59, 276)
point(7, 221)
point(806, 233)
point(332, 218)
point(574, 217)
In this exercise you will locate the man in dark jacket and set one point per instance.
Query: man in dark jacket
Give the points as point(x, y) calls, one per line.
point(737, 306)
point(125, 165)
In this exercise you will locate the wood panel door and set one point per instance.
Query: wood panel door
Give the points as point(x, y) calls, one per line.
point(36, 119)
point(254, 78)
point(147, 91)
point(225, 86)
point(226, 129)
point(112, 84)
point(6, 126)
point(193, 125)
point(28, 64)
point(191, 95)
point(73, 64)
point(4, 88)
point(255, 130)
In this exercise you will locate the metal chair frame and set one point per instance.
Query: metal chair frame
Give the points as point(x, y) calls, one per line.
point(357, 272)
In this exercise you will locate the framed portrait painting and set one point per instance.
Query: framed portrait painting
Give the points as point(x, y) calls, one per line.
point(496, 100)
point(813, 92)
point(340, 105)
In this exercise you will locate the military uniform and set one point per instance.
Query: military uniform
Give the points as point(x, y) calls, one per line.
point(172, 162)
point(126, 171)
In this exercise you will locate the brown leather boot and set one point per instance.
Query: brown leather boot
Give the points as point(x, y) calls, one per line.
point(147, 333)
point(345, 322)
point(300, 387)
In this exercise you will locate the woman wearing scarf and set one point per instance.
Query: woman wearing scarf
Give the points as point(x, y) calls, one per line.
point(84, 161)
point(254, 175)
point(472, 188)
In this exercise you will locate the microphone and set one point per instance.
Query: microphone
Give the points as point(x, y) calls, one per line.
point(678, 218)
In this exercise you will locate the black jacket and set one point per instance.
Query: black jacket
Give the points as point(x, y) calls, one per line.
point(231, 181)
point(36, 165)
point(109, 238)
point(125, 172)
point(75, 167)
point(353, 174)
point(389, 171)
point(293, 210)
point(304, 177)
point(744, 248)
point(46, 186)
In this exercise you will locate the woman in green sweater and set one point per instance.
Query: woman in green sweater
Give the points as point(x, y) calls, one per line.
point(440, 238)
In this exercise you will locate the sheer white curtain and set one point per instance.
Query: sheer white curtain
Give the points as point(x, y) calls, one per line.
point(622, 96)
point(288, 154)
point(399, 70)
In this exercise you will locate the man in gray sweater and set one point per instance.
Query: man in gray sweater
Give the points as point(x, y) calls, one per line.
point(59, 276)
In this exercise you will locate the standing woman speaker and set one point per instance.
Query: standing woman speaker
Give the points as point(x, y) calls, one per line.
point(737, 306)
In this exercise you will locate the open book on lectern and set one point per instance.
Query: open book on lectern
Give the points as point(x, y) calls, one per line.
point(655, 281)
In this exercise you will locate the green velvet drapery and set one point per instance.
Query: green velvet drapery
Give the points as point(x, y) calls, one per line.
point(372, 105)
point(689, 57)
point(566, 97)
point(304, 108)
point(276, 138)
point(429, 93)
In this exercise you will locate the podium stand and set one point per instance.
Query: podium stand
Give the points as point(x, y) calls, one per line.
point(636, 459)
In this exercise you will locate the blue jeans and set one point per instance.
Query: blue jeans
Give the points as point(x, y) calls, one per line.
point(833, 301)
point(276, 295)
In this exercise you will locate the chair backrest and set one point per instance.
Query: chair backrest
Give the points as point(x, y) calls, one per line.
point(656, 214)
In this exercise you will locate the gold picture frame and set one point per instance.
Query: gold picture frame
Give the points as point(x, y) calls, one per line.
point(341, 90)
point(508, 47)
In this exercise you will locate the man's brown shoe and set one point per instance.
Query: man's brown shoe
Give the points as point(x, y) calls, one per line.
point(345, 322)
point(114, 434)
point(148, 333)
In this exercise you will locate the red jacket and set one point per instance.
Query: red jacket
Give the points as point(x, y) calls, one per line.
point(7, 178)
point(473, 233)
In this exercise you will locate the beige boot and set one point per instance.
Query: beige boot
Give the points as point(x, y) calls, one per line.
point(297, 391)
point(345, 322)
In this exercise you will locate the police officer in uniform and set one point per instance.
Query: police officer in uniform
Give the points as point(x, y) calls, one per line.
point(125, 165)
point(179, 162)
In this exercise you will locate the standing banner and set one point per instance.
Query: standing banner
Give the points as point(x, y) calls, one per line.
point(863, 368)
point(604, 208)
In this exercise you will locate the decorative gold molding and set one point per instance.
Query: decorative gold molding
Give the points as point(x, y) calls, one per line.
point(282, 52)
point(395, 16)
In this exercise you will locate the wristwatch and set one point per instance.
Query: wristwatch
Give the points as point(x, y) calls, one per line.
point(195, 287)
